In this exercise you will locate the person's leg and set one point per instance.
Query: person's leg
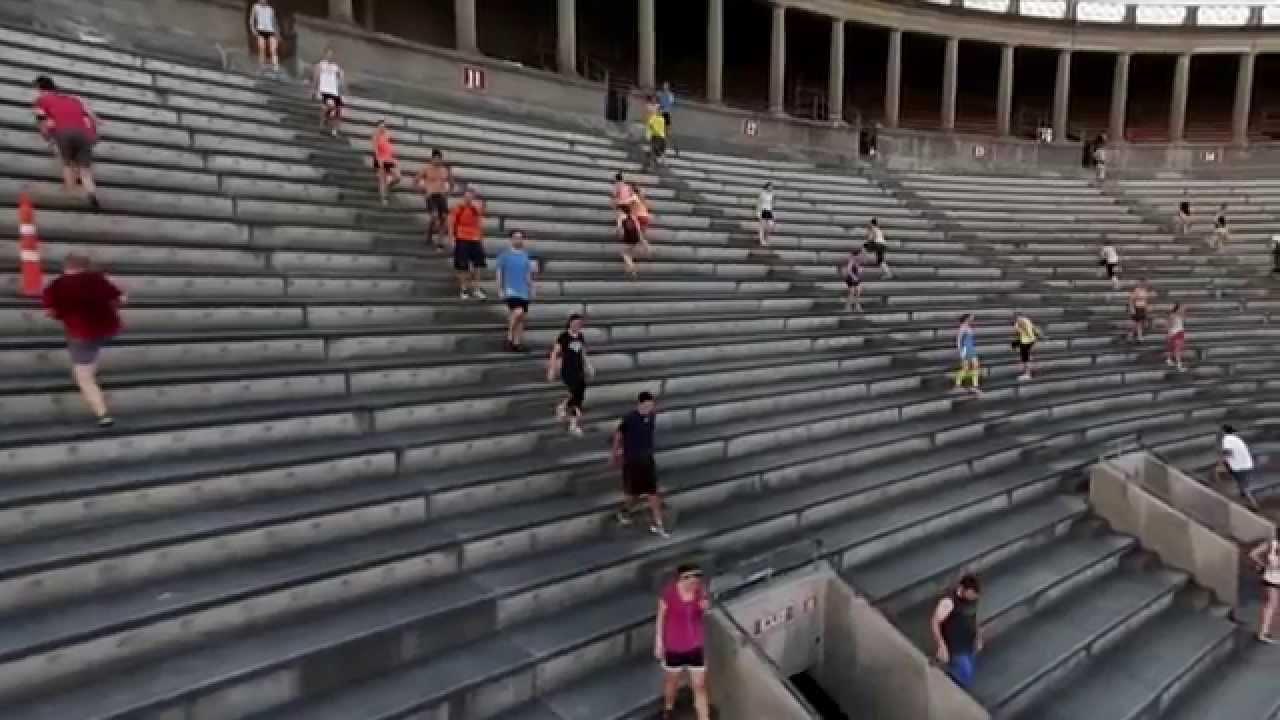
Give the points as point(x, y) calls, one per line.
point(517, 327)
point(86, 377)
point(961, 670)
point(670, 686)
point(701, 702)
point(628, 264)
point(1272, 598)
point(473, 281)
point(761, 234)
point(382, 181)
point(262, 50)
point(578, 390)
point(655, 511)
point(70, 176)
point(273, 44)
point(975, 373)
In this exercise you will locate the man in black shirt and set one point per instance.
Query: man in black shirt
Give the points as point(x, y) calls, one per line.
point(569, 360)
point(956, 632)
point(633, 451)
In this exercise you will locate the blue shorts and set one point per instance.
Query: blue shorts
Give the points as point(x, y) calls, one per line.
point(968, 353)
point(961, 670)
point(85, 352)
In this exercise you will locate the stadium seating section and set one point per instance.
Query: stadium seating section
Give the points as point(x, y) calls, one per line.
point(331, 494)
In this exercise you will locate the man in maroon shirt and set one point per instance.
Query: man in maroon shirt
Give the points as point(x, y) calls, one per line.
point(88, 306)
point(73, 129)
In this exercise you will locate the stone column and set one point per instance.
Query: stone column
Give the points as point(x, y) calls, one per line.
point(464, 19)
point(1178, 103)
point(370, 14)
point(835, 75)
point(715, 51)
point(1061, 96)
point(1004, 92)
point(893, 79)
point(648, 41)
point(1119, 98)
point(778, 60)
point(950, 70)
point(567, 36)
point(1244, 98)
point(342, 11)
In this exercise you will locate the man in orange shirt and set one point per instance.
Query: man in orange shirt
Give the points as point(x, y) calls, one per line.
point(466, 225)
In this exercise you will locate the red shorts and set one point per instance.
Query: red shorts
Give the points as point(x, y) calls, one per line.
point(1176, 342)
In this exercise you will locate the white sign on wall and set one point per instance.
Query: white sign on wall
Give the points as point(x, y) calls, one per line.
point(473, 78)
point(750, 128)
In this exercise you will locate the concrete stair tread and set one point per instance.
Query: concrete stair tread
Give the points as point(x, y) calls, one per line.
point(1242, 689)
point(426, 683)
point(881, 579)
point(1135, 680)
point(1014, 664)
point(621, 692)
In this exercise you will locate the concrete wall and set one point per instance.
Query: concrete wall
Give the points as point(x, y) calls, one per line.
point(910, 150)
point(1212, 557)
point(745, 685)
point(873, 670)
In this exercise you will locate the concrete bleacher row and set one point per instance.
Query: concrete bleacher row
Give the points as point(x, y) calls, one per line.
point(329, 496)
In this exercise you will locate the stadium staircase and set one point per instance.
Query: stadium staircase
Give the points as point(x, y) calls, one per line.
point(330, 494)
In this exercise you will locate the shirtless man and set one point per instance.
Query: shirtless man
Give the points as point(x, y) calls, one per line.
point(436, 181)
point(1139, 306)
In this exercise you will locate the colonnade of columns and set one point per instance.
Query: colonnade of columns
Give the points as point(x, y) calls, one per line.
point(646, 73)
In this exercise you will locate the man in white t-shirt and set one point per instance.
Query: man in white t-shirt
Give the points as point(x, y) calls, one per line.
point(1238, 460)
point(262, 23)
point(328, 81)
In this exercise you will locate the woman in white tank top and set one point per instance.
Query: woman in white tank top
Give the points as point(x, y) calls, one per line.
point(1267, 558)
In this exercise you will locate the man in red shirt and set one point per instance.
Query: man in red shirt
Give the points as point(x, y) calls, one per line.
point(466, 225)
point(88, 306)
point(73, 129)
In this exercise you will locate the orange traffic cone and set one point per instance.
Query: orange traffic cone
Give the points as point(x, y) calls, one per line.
point(29, 248)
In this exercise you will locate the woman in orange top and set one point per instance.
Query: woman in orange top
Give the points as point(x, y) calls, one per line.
point(384, 160)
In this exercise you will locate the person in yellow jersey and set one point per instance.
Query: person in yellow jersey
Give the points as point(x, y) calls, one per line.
point(1026, 333)
point(967, 346)
point(655, 131)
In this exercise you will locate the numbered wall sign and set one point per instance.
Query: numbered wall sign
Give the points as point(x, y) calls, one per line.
point(473, 78)
point(979, 151)
point(750, 128)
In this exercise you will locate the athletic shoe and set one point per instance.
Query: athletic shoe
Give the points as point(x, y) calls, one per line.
point(464, 295)
point(624, 518)
point(478, 294)
point(561, 412)
point(1266, 639)
point(575, 431)
point(106, 421)
point(659, 531)
point(1024, 377)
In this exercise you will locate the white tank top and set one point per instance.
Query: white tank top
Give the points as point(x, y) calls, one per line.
point(1175, 324)
point(264, 18)
point(1271, 571)
point(329, 73)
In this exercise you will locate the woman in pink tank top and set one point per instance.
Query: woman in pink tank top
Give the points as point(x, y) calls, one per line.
point(678, 642)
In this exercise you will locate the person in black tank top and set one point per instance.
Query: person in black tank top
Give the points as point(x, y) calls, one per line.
point(956, 631)
point(570, 363)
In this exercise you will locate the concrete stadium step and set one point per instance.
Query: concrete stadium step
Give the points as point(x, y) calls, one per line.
point(1149, 670)
point(1243, 688)
point(892, 445)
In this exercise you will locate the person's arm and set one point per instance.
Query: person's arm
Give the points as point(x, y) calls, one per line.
point(1258, 552)
point(616, 454)
point(533, 280)
point(497, 276)
point(553, 361)
point(940, 615)
point(253, 19)
point(586, 363)
point(657, 631)
point(453, 221)
point(960, 340)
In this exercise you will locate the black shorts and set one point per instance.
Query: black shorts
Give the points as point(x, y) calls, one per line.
point(577, 387)
point(1024, 351)
point(518, 303)
point(74, 146)
point(689, 660)
point(266, 34)
point(876, 249)
point(387, 166)
point(1140, 315)
point(1111, 270)
point(438, 205)
point(468, 255)
point(331, 99)
point(766, 214)
point(852, 281)
point(658, 146)
point(640, 477)
point(630, 234)
point(666, 118)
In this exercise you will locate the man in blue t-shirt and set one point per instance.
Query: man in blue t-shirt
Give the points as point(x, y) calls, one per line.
point(666, 103)
point(633, 451)
point(515, 271)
